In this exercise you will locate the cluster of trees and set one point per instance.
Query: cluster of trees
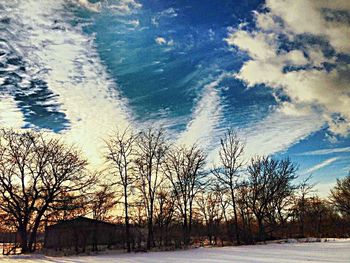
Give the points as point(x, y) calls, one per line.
point(37, 175)
point(168, 190)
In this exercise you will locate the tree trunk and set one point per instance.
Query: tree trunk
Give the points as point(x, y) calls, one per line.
point(302, 213)
point(319, 225)
point(209, 233)
point(127, 226)
point(32, 239)
point(189, 225)
point(302, 234)
point(150, 231)
point(235, 215)
point(166, 241)
point(261, 236)
point(22, 231)
point(185, 232)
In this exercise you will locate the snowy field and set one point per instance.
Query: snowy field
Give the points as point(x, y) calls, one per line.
point(332, 251)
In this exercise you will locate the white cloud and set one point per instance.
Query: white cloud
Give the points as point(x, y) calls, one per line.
point(160, 40)
point(258, 45)
point(277, 132)
point(134, 23)
point(94, 7)
point(171, 42)
point(73, 71)
point(299, 73)
point(124, 7)
point(320, 165)
point(10, 115)
point(273, 134)
point(205, 117)
point(309, 17)
point(327, 151)
point(170, 12)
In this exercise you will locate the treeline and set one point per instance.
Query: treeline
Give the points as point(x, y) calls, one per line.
point(167, 196)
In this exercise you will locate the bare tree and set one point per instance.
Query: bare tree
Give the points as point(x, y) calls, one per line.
point(67, 206)
point(138, 215)
point(268, 180)
point(34, 172)
point(280, 209)
point(209, 208)
point(184, 170)
point(317, 212)
point(227, 173)
point(101, 202)
point(165, 209)
point(340, 196)
point(120, 156)
point(305, 188)
point(151, 149)
point(223, 196)
point(245, 211)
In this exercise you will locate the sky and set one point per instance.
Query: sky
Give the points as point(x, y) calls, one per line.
point(277, 71)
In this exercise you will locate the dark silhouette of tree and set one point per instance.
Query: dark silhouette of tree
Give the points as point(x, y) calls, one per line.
point(245, 211)
point(165, 209)
point(224, 203)
point(209, 208)
point(67, 206)
point(121, 153)
point(184, 169)
point(101, 202)
point(317, 211)
point(269, 180)
point(228, 170)
point(300, 209)
point(151, 150)
point(34, 172)
point(340, 196)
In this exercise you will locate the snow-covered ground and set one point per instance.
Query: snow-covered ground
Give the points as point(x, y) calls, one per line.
point(332, 251)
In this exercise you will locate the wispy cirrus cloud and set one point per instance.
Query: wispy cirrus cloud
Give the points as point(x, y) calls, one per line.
point(277, 132)
point(94, 7)
point(170, 12)
point(273, 134)
point(321, 165)
point(205, 116)
point(327, 151)
point(67, 61)
point(122, 7)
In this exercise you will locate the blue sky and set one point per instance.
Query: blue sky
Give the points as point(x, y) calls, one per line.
point(277, 71)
